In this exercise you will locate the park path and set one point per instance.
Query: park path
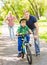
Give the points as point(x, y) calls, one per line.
point(8, 53)
point(8, 50)
point(5, 31)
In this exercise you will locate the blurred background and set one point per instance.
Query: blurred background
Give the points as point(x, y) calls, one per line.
point(37, 8)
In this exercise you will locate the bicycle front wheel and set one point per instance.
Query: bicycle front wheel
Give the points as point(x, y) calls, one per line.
point(29, 55)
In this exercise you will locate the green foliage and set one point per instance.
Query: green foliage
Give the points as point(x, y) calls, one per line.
point(36, 7)
point(1, 19)
point(0, 33)
point(43, 36)
point(43, 20)
point(0, 22)
point(43, 30)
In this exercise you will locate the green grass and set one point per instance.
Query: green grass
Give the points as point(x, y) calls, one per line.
point(43, 31)
point(43, 36)
point(0, 29)
point(0, 32)
point(0, 23)
point(43, 20)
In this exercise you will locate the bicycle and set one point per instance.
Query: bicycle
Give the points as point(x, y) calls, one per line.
point(25, 49)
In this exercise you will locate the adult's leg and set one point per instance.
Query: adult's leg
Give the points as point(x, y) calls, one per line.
point(37, 49)
point(36, 41)
point(10, 32)
point(28, 38)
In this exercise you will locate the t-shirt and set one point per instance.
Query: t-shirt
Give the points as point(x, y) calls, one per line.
point(23, 30)
point(11, 20)
point(31, 21)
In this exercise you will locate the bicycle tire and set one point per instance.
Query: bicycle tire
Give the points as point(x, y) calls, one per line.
point(29, 55)
point(22, 55)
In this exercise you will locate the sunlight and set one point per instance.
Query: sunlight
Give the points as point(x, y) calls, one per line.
point(10, 58)
point(44, 49)
point(1, 4)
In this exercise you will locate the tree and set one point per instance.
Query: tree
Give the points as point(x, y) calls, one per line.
point(36, 7)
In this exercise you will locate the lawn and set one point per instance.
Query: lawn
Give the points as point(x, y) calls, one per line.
point(43, 30)
point(0, 30)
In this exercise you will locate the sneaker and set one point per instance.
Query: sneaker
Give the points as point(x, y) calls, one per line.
point(30, 45)
point(37, 54)
point(19, 55)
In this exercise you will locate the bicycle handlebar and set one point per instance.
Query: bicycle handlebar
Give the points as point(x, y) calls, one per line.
point(21, 34)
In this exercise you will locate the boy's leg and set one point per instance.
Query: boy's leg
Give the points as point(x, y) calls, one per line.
point(28, 38)
point(19, 45)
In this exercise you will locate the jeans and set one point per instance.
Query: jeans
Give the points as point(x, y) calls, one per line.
point(20, 42)
point(36, 42)
point(11, 30)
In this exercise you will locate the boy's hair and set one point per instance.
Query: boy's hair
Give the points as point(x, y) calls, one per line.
point(22, 20)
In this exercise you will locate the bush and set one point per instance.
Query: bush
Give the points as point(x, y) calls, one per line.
point(0, 22)
point(43, 36)
point(42, 20)
point(0, 33)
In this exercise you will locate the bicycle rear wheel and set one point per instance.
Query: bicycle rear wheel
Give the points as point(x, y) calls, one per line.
point(29, 55)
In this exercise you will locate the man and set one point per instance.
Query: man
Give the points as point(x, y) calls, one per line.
point(33, 25)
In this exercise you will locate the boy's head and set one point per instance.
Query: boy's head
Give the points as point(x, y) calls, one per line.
point(23, 22)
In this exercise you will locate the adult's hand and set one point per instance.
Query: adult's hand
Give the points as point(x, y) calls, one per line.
point(35, 36)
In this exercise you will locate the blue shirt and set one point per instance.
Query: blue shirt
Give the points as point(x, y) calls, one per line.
point(31, 21)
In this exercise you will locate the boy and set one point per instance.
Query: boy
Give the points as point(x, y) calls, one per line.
point(24, 30)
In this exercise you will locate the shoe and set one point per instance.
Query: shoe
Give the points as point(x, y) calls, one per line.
point(37, 54)
point(30, 45)
point(19, 55)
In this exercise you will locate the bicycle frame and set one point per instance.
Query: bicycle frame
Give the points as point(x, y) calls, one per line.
point(26, 50)
point(24, 45)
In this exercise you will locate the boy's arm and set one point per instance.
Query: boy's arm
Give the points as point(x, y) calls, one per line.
point(30, 31)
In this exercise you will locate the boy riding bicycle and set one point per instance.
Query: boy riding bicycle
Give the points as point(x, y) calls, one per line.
point(23, 29)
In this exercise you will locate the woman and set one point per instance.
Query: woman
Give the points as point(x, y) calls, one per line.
point(10, 21)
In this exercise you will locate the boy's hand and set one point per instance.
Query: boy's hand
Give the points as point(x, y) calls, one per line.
point(30, 31)
point(17, 34)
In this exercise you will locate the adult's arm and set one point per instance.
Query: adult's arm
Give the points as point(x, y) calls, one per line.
point(6, 20)
point(37, 28)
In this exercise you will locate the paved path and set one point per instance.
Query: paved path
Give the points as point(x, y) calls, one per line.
point(8, 53)
point(5, 29)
